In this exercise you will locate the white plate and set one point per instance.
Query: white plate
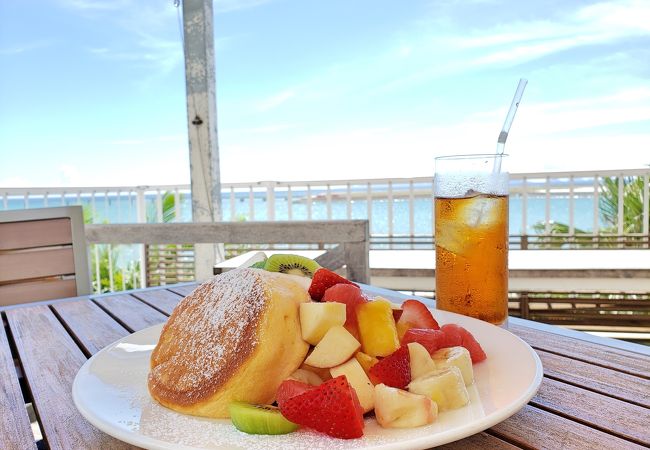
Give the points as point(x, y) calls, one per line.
point(110, 391)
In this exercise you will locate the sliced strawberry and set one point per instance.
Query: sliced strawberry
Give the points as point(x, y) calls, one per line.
point(415, 315)
point(394, 370)
point(289, 389)
point(452, 335)
point(323, 280)
point(352, 296)
point(332, 408)
point(457, 335)
point(432, 340)
point(397, 313)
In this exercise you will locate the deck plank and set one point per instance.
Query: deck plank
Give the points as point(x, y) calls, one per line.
point(51, 359)
point(92, 326)
point(131, 312)
point(589, 352)
point(599, 379)
point(616, 416)
point(15, 430)
point(161, 299)
point(535, 428)
point(479, 441)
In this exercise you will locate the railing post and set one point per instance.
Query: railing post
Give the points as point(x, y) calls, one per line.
point(620, 216)
point(646, 205)
point(524, 206)
point(572, 228)
point(547, 207)
point(141, 213)
point(270, 200)
point(524, 307)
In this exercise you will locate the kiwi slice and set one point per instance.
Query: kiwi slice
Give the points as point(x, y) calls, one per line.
point(259, 419)
point(292, 264)
point(258, 265)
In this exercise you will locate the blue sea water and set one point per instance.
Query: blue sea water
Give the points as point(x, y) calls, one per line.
point(122, 209)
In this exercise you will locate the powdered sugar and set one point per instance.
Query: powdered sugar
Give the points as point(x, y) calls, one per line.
point(214, 329)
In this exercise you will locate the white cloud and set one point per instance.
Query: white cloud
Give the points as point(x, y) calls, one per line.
point(95, 5)
point(225, 6)
point(276, 100)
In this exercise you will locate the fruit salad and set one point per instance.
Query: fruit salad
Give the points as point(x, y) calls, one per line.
point(368, 357)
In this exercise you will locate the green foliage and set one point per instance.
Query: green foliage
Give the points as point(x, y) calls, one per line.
point(608, 209)
point(123, 277)
point(632, 204)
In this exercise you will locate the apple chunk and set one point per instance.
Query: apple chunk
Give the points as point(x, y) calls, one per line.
point(421, 361)
point(395, 408)
point(317, 318)
point(358, 379)
point(336, 347)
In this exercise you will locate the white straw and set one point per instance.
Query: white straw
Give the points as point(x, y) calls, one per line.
point(501, 141)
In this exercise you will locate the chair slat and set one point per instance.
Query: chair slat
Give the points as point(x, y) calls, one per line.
point(15, 430)
point(131, 312)
point(36, 264)
point(35, 233)
point(50, 360)
point(93, 328)
point(32, 291)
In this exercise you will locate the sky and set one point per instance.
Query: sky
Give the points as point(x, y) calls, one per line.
point(92, 92)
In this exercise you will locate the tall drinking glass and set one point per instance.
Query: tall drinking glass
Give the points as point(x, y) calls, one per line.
point(471, 221)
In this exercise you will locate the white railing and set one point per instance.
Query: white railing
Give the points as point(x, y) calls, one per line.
point(394, 206)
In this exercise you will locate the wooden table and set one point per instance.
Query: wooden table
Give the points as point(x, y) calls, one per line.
point(595, 392)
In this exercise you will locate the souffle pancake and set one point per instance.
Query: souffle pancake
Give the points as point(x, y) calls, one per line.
point(234, 338)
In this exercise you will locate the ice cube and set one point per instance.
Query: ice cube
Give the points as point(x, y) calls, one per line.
point(481, 211)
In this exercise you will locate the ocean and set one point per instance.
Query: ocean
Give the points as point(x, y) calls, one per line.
point(122, 209)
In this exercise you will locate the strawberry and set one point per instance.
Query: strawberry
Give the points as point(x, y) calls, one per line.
point(467, 340)
point(323, 280)
point(432, 340)
point(397, 313)
point(450, 335)
point(394, 370)
point(352, 297)
point(289, 389)
point(415, 315)
point(332, 408)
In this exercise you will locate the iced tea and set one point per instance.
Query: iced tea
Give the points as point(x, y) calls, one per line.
point(472, 255)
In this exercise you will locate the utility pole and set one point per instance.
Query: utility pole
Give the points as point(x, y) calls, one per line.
point(200, 82)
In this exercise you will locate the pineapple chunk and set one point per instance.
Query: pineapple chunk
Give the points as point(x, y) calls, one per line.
point(377, 328)
point(366, 361)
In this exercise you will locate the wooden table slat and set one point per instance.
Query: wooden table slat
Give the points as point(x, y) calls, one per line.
point(131, 312)
point(599, 379)
point(618, 417)
point(183, 290)
point(161, 299)
point(91, 325)
point(617, 359)
point(479, 441)
point(535, 428)
point(50, 360)
point(15, 429)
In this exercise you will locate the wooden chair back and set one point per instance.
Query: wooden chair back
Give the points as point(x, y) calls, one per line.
point(42, 255)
